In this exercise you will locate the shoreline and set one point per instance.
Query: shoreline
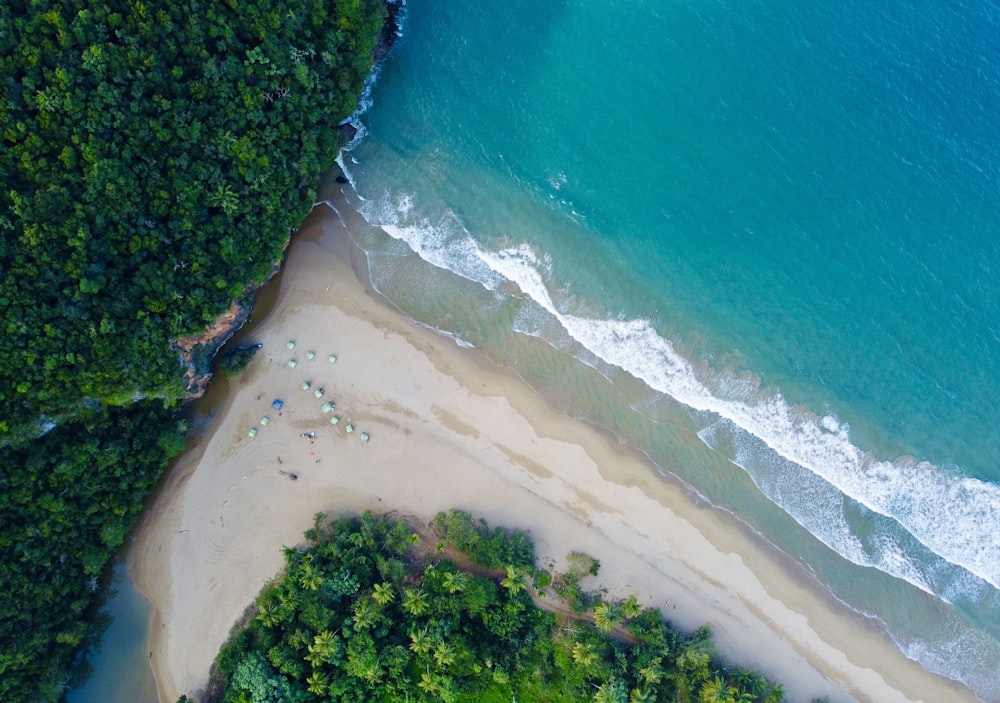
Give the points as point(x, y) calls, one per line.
point(450, 431)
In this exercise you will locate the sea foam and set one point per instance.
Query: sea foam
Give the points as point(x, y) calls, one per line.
point(955, 517)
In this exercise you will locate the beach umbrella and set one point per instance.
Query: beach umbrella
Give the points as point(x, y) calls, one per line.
point(328, 407)
point(350, 427)
point(365, 436)
point(305, 385)
point(332, 358)
point(291, 344)
point(335, 420)
point(292, 363)
point(310, 355)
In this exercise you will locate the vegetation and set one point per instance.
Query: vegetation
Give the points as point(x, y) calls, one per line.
point(154, 156)
point(235, 360)
point(67, 501)
point(364, 612)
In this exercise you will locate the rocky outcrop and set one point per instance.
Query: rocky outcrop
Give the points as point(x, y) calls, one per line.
point(390, 30)
point(197, 352)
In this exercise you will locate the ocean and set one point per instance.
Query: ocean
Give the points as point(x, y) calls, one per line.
point(758, 241)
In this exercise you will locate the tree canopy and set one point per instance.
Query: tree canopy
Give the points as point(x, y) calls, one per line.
point(155, 156)
point(368, 611)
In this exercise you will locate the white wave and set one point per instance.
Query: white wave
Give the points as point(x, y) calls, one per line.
point(820, 508)
point(956, 517)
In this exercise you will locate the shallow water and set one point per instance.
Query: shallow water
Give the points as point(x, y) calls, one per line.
point(757, 242)
point(116, 668)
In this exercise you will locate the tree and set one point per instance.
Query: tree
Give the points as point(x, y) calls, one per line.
point(775, 694)
point(415, 601)
point(455, 581)
point(607, 616)
point(444, 655)
point(630, 607)
point(584, 654)
point(652, 673)
point(421, 642)
point(488, 644)
point(366, 613)
point(515, 581)
point(268, 613)
point(641, 695)
point(309, 577)
point(147, 184)
point(318, 682)
point(383, 593)
point(611, 692)
point(716, 690)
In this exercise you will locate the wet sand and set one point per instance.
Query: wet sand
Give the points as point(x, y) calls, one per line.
point(446, 430)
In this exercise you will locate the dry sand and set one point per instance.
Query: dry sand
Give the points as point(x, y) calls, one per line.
point(446, 431)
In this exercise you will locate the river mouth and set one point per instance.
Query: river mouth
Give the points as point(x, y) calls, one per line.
point(114, 666)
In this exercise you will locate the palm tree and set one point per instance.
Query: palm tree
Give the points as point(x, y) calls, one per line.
point(308, 576)
point(322, 648)
point(641, 695)
point(373, 673)
point(268, 613)
point(775, 694)
point(326, 641)
point(428, 684)
point(318, 682)
point(630, 607)
point(607, 616)
point(383, 593)
point(415, 602)
point(420, 641)
point(455, 581)
point(315, 657)
point(583, 654)
point(610, 692)
point(225, 198)
point(716, 690)
point(365, 614)
point(444, 655)
point(652, 673)
point(516, 580)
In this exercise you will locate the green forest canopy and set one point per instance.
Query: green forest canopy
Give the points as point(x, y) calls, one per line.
point(155, 157)
point(370, 611)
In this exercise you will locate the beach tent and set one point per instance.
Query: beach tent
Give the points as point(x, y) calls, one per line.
point(305, 385)
point(332, 358)
point(328, 407)
point(252, 432)
point(365, 436)
point(335, 420)
point(277, 404)
point(264, 420)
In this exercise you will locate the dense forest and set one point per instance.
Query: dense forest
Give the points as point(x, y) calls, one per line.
point(155, 157)
point(369, 610)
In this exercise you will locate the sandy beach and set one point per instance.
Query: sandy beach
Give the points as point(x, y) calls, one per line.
point(446, 430)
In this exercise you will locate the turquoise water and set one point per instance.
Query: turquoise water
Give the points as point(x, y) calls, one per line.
point(759, 241)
